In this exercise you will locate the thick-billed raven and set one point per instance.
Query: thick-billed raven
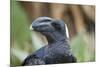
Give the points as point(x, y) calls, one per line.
point(58, 48)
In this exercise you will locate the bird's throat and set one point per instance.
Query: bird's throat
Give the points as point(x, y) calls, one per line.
point(55, 37)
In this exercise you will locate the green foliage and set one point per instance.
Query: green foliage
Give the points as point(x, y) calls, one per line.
point(19, 24)
point(81, 49)
point(20, 34)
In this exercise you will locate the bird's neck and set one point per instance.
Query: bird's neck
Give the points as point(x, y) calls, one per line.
point(55, 37)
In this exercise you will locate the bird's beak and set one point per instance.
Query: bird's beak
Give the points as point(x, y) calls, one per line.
point(31, 27)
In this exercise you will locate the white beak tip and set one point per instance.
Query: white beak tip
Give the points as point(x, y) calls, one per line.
point(31, 27)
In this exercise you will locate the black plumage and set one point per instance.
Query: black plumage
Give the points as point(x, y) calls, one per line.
point(58, 48)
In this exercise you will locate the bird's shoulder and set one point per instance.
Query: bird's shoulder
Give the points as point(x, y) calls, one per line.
point(40, 52)
point(35, 58)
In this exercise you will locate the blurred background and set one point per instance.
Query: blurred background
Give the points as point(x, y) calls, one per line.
point(80, 20)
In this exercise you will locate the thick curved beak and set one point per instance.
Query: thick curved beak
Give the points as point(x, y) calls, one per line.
point(31, 27)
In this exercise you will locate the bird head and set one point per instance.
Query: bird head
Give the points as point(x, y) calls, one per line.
point(49, 27)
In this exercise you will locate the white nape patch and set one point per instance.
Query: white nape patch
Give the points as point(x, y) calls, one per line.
point(67, 33)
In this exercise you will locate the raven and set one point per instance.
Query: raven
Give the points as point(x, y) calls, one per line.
point(58, 48)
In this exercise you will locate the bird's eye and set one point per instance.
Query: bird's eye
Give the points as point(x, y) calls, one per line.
point(56, 25)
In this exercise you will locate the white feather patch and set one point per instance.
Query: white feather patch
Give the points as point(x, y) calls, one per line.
point(67, 33)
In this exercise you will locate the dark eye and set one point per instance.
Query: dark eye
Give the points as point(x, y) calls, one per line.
point(56, 25)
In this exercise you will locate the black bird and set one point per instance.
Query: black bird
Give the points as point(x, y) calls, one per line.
point(58, 48)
